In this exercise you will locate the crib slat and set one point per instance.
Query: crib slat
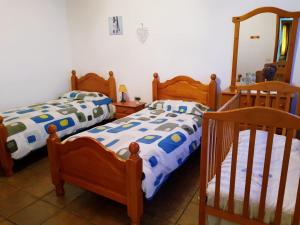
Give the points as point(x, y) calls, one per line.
point(203, 172)
point(218, 163)
point(249, 171)
point(268, 99)
point(233, 167)
point(248, 98)
point(287, 102)
point(284, 170)
point(286, 108)
point(266, 172)
point(277, 100)
point(257, 98)
point(296, 219)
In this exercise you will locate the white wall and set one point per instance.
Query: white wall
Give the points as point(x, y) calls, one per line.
point(254, 53)
point(194, 37)
point(34, 51)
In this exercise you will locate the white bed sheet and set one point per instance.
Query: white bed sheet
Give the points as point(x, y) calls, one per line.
point(256, 183)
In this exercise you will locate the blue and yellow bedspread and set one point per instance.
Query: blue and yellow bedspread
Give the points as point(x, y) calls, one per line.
point(166, 139)
point(27, 126)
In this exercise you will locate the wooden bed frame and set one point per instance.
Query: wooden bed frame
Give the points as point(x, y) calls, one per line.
point(88, 82)
point(90, 165)
point(220, 133)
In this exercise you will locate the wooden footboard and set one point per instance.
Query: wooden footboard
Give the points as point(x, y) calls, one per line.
point(220, 133)
point(6, 162)
point(90, 165)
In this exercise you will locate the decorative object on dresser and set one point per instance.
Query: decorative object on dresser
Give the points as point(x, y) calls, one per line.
point(271, 57)
point(124, 109)
point(120, 178)
point(123, 90)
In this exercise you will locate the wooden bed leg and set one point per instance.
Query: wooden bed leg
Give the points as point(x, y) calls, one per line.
point(6, 162)
point(52, 143)
point(134, 185)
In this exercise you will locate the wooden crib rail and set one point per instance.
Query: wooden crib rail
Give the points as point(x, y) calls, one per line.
point(273, 94)
point(220, 133)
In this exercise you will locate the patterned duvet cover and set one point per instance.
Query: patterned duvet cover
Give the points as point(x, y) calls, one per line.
point(27, 126)
point(166, 139)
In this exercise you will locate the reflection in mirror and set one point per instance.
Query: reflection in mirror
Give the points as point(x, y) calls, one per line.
point(285, 28)
point(256, 49)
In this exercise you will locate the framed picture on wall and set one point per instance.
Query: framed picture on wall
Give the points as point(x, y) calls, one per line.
point(115, 24)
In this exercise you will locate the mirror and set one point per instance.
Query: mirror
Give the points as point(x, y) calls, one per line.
point(264, 46)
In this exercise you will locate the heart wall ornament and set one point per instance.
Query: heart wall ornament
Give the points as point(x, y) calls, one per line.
point(142, 33)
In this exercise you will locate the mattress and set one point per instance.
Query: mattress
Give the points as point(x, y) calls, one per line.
point(256, 182)
point(27, 126)
point(166, 139)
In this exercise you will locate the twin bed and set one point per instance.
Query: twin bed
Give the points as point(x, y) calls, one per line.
point(25, 129)
point(250, 171)
point(121, 159)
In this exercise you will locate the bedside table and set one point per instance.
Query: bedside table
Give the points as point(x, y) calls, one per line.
point(124, 109)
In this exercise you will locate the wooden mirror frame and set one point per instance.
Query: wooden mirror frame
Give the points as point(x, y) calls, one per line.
point(280, 13)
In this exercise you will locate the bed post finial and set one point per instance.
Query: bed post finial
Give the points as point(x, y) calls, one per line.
point(52, 131)
point(212, 97)
point(155, 83)
point(112, 86)
point(74, 80)
point(213, 76)
point(134, 148)
point(1, 119)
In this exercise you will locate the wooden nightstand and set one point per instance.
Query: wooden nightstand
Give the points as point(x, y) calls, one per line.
point(124, 109)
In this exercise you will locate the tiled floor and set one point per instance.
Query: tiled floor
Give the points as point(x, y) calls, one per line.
point(28, 198)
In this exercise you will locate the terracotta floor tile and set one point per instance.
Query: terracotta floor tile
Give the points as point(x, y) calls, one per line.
point(20, 178)
point(112, 213)
point(34, 214)
point(87, 205)
point(71, 192)
point(15, 202)
point(190, 215)
point(6, 222)
point(196, 198)
point(65, 218)
point(149, 220)
point(6, 190)
point(39, 186)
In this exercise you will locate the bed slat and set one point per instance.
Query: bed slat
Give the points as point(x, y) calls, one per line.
point(233, 167)
point(283, 176)
point(266, 172)
point(249, 171)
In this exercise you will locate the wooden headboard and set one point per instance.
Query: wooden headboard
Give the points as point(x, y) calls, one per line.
point(186, 88)
point(93, 82)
